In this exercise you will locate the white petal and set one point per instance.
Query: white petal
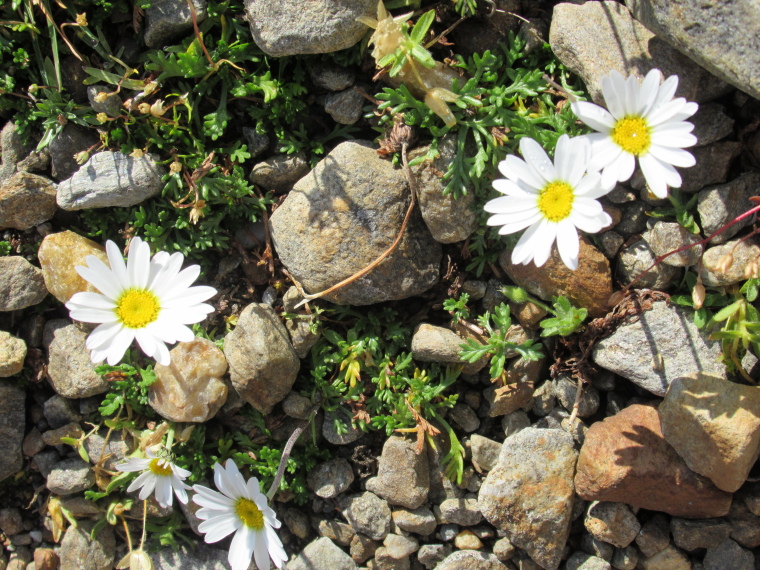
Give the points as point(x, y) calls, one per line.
point(163, 270)
point(590, 224)
point(666, 91)
point(507, 187)
point(623, 166)
point(590, 186)
point(218, 527)
point(261, 549)
point(594, 116)
point(674, 111)
point(501, 219)
point(182, 281)
point(509, 204)
point(545, 241)
point(517, 226)
point(179, 489)
point(523, 251)
point(674, 140)
point(98, 274)
point(537, 159)
point(567, 243)
point(148, 486)
point(276, 551)
point(648, 93)
point(146, 341)
point(138, 263)
point(612, 98)
point(603, 154)
point(91, 300)
point(119, 345)
point(516, 169)
point(162, 355)
point(674, 156)
point(132, 465)
point(586, 206)
point(103, 335)
point(571, 159)
point(206, 497)
point(187, 297)
point(116, 261)
point(631, 94)
point(657, 175)
point(87, 315)
point(241, 549)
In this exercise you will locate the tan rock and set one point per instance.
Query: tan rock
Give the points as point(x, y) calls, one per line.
point(517, 391)
point(59, 254)
point(12, 354)
point(26, 200)
point(589, 286)
point(625, 458)
point(742, 254)
point(467, 540)
point(191, 388)
point(714, 425)
point(668, 559)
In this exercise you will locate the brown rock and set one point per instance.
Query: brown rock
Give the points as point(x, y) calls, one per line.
point(26, 200)
point(589, 286)
point(714, 425)
point(517, 392)
point(191, 388)
point(59, 254)
point(625, 458)
point(45, 559)
point(669, 558)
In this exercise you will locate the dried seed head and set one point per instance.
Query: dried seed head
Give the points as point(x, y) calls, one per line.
point(144, 108)
point(82, 157)
point(137, 153)
point(157, 108)
point(725, 262)
point(751, 270)
point(102, 117)
point(101, 97)
point(698, 294)
point(82, 19)
point(149, 88)
point(175, 167)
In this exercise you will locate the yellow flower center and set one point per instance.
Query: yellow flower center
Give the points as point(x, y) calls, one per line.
point(159, 467)
point(632, 135)
point(249, 513)
point(137, 308)
point(556, 201)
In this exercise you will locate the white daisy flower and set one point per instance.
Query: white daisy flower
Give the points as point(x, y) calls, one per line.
point(644, 122)
point(159, 474)
point(148, 300)
point(240, 508)
point(550, 199)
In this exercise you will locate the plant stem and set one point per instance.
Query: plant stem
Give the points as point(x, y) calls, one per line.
point(287, 451)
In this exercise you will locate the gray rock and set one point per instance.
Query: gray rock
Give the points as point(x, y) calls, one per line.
point(718, 205)
point(368, 514)
point(449, 219)
point(280, 172)
point(70, 141)
point(654, 536)
point(448, 532)
point(334, 223)
point(665, 237)
point(26, 200)
point(742, 252)
point(398, 546)
point(529, 494)
point(331, 433)
point(634, 219)
point(610, 243)
point(515, 422)
point(297, 522)
point(257, 143)
point(167, 20)
point(11, 522)
point(70, 476)
point(331, 77)
point(60, 411)
point(301, 336)
point(566, 389)
point(111, 106)
point(475, 289)
point(12, 422)
point(362, 548)
point(44, 461)
point(297, 406)
point(429, 555)
point(595, 38)
point(711, 124)
point(111, 179)
point(465, 417)
point(723, 38)
point(69, 367)
point(80, 552)
point(263, 364)
point(637, 258)
point(198, 557)
point(485, 452)
point(331, 478)
point(691, 534)
point(625, 558)
point(596, 547)
point(338, 532)
point(471, 560)
point(463, 512)
point(583, 561)
point(729, 555)
point(13, 150)
point(661, 345)
point(35, 161)
point(745, 526)
point(21, 284)
point(345, 107)
point(12, 354)
point(403, 476)
point(418, 521)
point(320, 26)
point(436, 344)
point(613, 523)
point(115, 452)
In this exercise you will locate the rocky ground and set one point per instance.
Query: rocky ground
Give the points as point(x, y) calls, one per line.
point(657, 474)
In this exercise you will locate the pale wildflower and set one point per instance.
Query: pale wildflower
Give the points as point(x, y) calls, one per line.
point(550, 199)
point(135, 560)
point(157, 108)
point(144, 108)
point(101, 96)
point(641, 122)
point(81, 19)
point(102, 117)
point(175, 167)
point(196, 212)
point(240, 508)
point(159, 474)
point(150, 301)
point(137, 153)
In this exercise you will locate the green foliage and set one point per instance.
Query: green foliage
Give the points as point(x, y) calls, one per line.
point(5, 248)
point(128, 387)
point(566, 320)
point(497, 346)
point(410, 50)
point(457, 308)
point(682, 212)
point(714, 300)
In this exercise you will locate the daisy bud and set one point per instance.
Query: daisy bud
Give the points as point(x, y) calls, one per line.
point(157, 108)
point(102, 117)
point(698, 294)
point(725, 262)
point(101, 97)
point(175, 167)
point(144, 108)
point(515, 294)
point(137, 153)
point(82, 157)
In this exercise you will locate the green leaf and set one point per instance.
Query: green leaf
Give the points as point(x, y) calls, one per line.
point(422, 26)
point(750, 289)
point(423, 56)
point(727, 312)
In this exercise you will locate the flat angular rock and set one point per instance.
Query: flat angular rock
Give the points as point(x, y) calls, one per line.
point(713, 164)
point(12, 354)
point(192, 389)
point(70, 476)
point(715, 426)
point(80, 552)
point(321, 554)
point(403, 476)
point(263, 364)
point(626, 459)
point(111, 179)
point(517, 391)
point(589, 286)
point(665, 237)
point(70, 141)
point(200, 556)
point(613, 523)
point(711, 124)
point(670, 558)
point(331, 478)
point(729, 555)
point(470, 560)
point(718, 205)
point(594, 38)
point(660, 345)
point(636, 258)
point(21, 284)
point(59, 254)
point(317, 26)
point(335, 222)
point(419, 521)
point(167, 20)
point(368, 514)
point(12, 422)
point(69, 366)
point(279, 173)
point(529, 494)
point(26, 200)
point(724, 37)
point(691, 534)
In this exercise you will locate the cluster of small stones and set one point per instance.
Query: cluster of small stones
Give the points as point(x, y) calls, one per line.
point(652, 474)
